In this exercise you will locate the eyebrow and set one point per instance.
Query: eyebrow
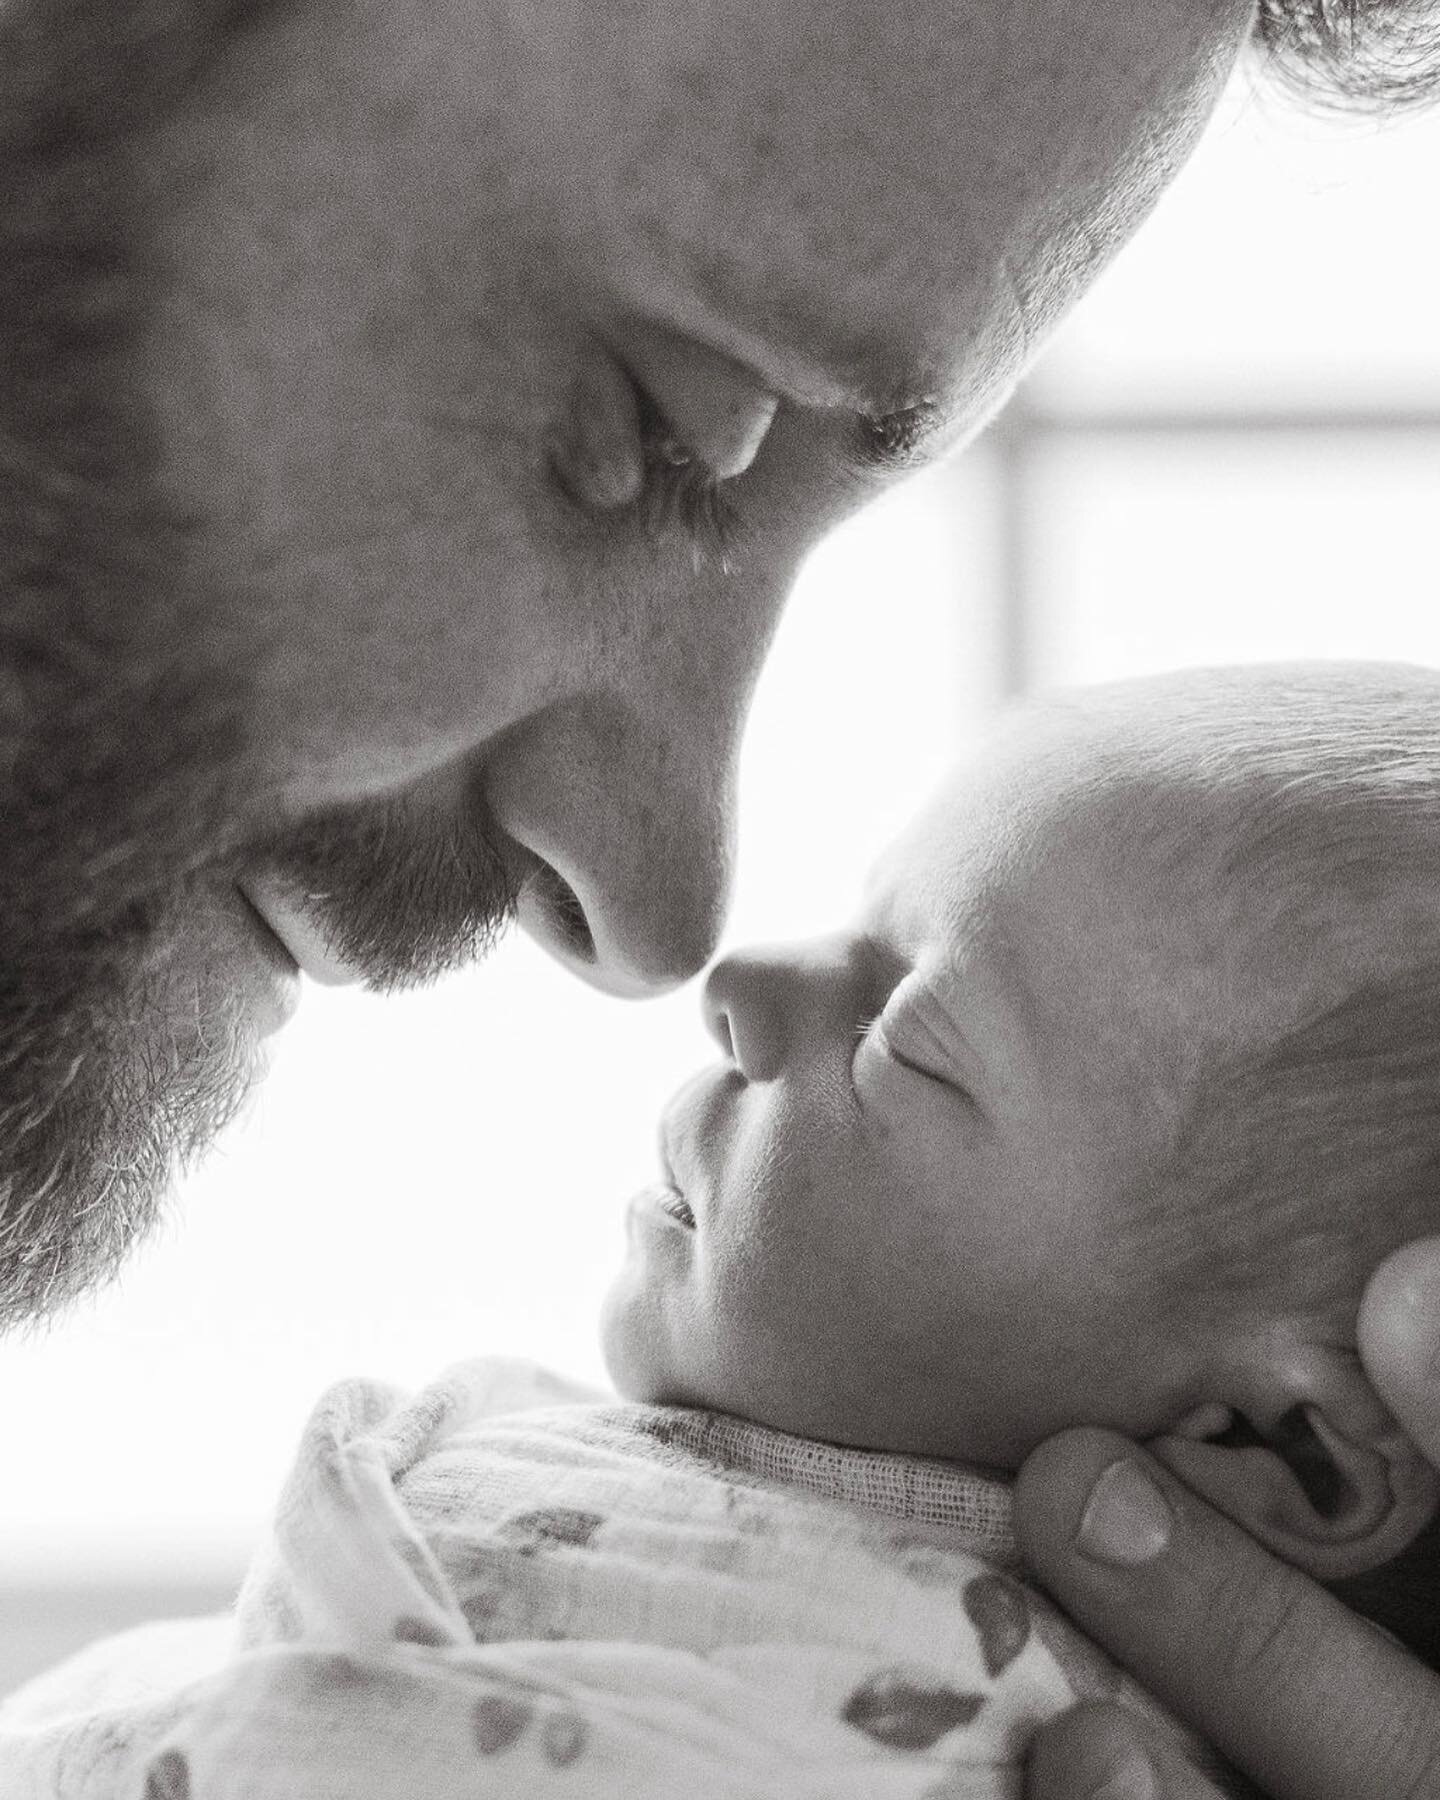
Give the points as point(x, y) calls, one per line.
point(896, 399)
point(900, 439)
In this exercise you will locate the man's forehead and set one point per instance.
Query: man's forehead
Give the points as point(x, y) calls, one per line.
point(916, 168)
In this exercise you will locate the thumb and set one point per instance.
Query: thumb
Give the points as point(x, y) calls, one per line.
point(1399, 1337)
point(1309, 1700)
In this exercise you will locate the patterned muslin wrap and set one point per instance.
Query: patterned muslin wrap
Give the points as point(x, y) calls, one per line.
point(509, 1586)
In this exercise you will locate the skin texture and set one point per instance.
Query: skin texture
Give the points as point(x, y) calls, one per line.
point(351, 577)
point(280, 498)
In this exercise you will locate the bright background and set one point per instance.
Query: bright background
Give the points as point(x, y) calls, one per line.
point(1232, 452)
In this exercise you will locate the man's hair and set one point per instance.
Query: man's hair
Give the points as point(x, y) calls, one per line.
point(1352, 54)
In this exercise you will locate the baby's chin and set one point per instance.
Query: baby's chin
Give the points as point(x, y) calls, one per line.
point(631, 1338)
point(659, 1351)
point(642, 1333)
point(644, 1367)
point(649, 1355)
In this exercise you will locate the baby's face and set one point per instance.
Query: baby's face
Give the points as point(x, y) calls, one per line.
point(907, 1175)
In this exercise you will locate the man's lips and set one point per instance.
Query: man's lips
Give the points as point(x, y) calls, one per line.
point(275, 1005)
point(289, 921)
point(274, 945)
point(304, 929)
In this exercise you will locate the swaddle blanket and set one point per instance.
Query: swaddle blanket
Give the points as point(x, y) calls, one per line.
point(507, 1586)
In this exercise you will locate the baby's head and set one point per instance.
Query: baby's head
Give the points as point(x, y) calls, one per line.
point(1102, 1111)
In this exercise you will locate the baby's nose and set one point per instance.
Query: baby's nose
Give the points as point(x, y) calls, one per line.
point(741, 1003)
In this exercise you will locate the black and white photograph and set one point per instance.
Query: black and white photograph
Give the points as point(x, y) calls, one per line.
point(719, 900)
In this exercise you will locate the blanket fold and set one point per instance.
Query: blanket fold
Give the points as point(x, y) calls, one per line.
point(508, 1585)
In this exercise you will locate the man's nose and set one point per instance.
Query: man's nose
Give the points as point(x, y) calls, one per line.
point(634, 843)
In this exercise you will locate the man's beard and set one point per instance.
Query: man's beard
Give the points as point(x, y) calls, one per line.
point(114, 1073)
point(400, 894)
point(124, 1051)
point(123, 1048)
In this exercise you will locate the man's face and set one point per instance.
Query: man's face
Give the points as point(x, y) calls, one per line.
point(434, 616)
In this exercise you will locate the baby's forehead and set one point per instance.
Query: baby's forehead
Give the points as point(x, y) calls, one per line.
point(1065, 855)
point(951, 893)
point(917, 886)
point(1046, 786)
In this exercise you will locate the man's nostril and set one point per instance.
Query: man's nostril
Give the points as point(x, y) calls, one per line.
point(561, 905)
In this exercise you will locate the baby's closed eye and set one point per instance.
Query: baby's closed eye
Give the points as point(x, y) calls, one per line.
point(910, 1032)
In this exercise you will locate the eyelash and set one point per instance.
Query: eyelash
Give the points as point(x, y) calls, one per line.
point(863, 1031)
point(682, 492)
point(688, 497)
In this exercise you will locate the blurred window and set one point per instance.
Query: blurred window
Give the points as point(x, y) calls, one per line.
point(1232, 451)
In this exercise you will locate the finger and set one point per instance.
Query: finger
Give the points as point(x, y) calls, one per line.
point(1308, 1699)
point(1098, 1753)
point(1399, 1337)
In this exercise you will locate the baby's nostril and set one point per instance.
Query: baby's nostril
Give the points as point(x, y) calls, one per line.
point(562, 907)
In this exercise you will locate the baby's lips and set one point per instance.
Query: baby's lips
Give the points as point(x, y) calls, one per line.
point(667, 1159)
point(694, 1129)
point(675, 1202)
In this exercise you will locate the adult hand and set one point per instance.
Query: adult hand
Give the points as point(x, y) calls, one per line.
point(1308, 1699)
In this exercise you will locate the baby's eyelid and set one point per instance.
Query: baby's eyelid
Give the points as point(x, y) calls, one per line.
point(870, 1033)
point(908, 999)
point(878, 973)
point(862, 1031)
point(871, 1022)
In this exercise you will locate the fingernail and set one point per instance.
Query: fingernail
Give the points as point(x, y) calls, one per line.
point(1126, 1519)
point(1133, 1780)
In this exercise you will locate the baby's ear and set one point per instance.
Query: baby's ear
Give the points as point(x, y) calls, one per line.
point(1296, 1447)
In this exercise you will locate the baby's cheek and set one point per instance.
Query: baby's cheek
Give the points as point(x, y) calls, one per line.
point(775, 1316)
point(634, 1334)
